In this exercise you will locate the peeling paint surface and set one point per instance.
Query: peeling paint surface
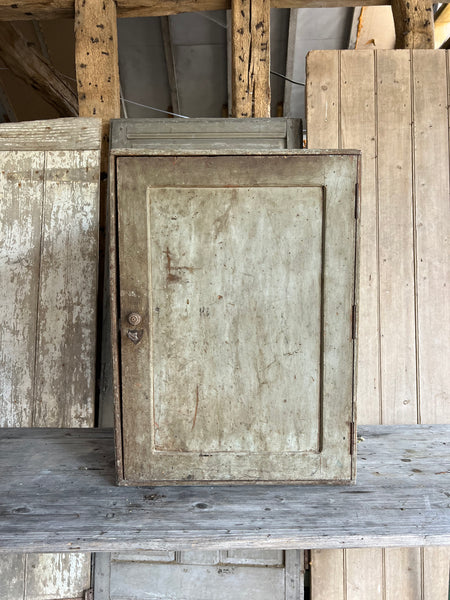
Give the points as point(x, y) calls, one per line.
point(48, 293)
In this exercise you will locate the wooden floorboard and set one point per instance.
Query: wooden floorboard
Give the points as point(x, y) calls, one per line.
point(57, 493)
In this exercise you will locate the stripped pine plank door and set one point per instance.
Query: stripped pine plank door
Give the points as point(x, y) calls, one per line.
point(393, 105)
point(48, 285)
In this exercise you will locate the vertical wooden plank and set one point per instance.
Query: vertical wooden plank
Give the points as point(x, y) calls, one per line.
point(57, 576)
point(48, 270)
point(331, 106)
point(22, 193)
point(322, 99)
point(412, 174)
point(364, 574)
point(436, 569)
point(396, 258)
point(358, 71)
point(413, 21)
point(403, 574)
point(102, 576)
point(12, 568)
point(294, 568)
point(432, 231)
point(250, 22)
point(66, 330)
point(327, 575)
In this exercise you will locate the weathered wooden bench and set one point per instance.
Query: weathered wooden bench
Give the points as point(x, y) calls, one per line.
point(58, 493)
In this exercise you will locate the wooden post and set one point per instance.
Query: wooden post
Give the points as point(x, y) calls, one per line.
point(413, 20)
point(97, 59)
point(250, 21)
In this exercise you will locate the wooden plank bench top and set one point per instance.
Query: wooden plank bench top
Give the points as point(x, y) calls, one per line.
point(58, 493)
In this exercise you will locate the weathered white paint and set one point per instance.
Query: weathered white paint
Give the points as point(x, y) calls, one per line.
point(49, 173)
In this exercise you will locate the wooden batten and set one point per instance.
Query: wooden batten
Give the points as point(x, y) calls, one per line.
point(250, 38)
point(35, 70)
point(413, 20)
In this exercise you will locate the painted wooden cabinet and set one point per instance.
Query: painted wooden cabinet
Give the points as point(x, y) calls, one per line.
point(234, 280)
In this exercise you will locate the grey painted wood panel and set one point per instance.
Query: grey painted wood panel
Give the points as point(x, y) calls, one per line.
point(214, 575)
point(57, 493)
point(148, 456)
point(240, 293)
point(196, 582)
point(206, 134)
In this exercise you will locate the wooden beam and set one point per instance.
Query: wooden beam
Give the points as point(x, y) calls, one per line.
point(250, 38)
point(35, 70)
point(442, 26)
point(413, 20)
point(97, 59)
point(60, 9)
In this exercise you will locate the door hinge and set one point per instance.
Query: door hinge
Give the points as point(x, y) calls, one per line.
point(352, 437)
point(354, 314)
point(89, 594)
point(356, 201)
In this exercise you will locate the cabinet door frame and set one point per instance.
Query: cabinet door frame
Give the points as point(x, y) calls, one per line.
point(337, 174)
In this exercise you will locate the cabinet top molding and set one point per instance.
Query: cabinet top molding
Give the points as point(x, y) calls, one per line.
point(57, 494)
point(56, 9)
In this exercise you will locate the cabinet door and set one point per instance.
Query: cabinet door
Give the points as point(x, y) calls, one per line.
point(236, 294)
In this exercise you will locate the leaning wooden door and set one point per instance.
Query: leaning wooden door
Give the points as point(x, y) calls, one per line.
point(49, 207)
point(236, 286)
point(393, 104)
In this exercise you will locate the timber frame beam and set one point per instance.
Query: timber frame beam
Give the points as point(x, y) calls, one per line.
point(250, 58)
point(56, 9)
point(34, 69)
point(413, 20)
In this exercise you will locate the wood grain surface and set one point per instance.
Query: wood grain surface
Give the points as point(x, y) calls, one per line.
point(394, 106)
point(48, 279)
point(57, 493)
